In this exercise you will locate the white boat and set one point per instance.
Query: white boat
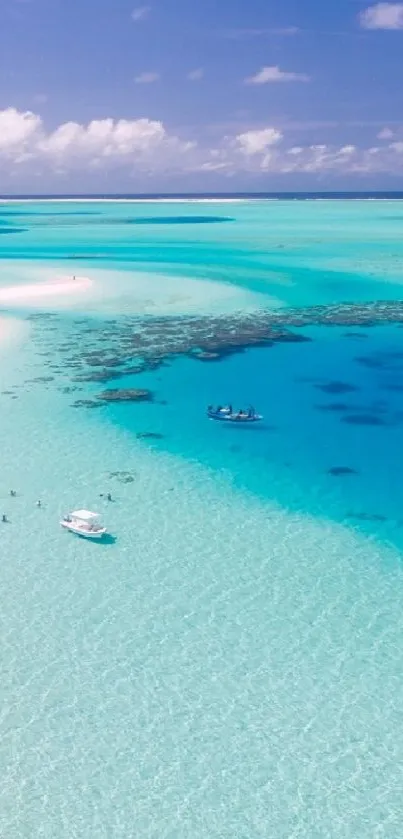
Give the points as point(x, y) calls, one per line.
point(84, 523)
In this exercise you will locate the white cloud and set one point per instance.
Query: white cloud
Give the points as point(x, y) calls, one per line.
point(382, 16)
point(385, 134)
point(104, 138)
point(196, 75)
point(140, 13)
point(273, 74)
point(17, 130)
point(146, 146)
point(147, 78)
point(256, 142)
point(213, 166)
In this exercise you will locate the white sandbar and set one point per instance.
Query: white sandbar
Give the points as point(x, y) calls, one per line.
point(64, 286)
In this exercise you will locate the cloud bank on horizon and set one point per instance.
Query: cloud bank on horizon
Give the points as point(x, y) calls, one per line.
point(145, 145)
point(279, 95)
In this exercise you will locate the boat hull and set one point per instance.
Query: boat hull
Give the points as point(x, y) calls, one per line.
point(234, 419)
point(93, 535)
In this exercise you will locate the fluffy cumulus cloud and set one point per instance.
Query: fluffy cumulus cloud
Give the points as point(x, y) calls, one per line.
point(382, 16)
point(18, 132)
point(141, 143)
point(103, 138)
point(147, 146)
point(257, 142)
point(273, 75)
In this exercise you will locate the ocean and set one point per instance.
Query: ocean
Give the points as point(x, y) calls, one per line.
point(228, 663)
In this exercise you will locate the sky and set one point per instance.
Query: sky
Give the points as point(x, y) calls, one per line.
point(180, 95)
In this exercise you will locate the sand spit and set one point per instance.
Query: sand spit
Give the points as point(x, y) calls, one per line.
point(64, 286)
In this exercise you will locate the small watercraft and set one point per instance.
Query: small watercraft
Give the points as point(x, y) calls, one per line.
point(84, 523)
point(226, 414)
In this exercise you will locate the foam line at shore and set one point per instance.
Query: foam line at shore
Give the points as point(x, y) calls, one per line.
point(132, 200)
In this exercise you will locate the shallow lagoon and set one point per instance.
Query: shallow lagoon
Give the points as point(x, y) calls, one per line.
point(231, 665)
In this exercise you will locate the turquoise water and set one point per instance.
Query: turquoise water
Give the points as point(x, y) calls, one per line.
point(230, 665)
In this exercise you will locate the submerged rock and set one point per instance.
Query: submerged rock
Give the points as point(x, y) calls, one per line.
point(337, 387)
point(131, 394)
point(366, 516)
point(149, 435)
point(42, 379)
point(371, 361)
point(123, 477)
point(100, 376)
point(342, 470)
point(286, 337)
point(363, 419)
point(86, 403)
point(207, 356)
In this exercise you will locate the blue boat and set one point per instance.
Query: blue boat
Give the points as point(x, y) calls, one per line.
point(226, 414)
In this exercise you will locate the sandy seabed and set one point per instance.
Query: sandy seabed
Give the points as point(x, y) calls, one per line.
point(12, 331)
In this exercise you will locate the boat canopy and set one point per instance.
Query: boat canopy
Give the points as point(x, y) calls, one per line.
point(84, 515)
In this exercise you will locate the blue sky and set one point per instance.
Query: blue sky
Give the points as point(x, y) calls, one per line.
point(173, 95)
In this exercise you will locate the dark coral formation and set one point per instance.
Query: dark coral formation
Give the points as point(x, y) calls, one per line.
point(149, 435)
point(104, 351)
point(131, 394)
